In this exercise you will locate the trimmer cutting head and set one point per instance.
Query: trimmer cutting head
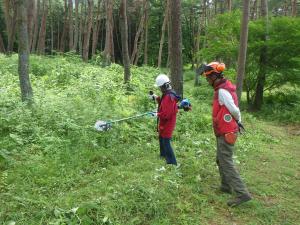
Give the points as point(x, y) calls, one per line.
point(102, 125)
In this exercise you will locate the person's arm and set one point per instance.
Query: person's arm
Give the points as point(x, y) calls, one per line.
point(168, 107)
point(226, 99)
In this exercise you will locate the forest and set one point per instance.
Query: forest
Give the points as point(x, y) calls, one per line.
point(68, 64)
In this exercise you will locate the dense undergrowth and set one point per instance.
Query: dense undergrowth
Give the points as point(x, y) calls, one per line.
point(56, 169)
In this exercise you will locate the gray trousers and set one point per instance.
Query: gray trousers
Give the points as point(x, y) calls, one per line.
point(230, 178)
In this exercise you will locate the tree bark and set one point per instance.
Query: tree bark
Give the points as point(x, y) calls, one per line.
point(10, 13)
point(163, 31)
point(65, 28)
point(87, 33)
point(31, 10)
point(33, 43)
point(124, 37)
point(176, 47)
point(243, 49)
point(96, 28)
point(26, 90)
point(254, 10)
point(71, 26)
point(82, 26)
point(2, 47)
point(261, 78)
point(294, 8)
point(146, 33)
point(229, 5)
point(138, 35)
point(42, 33)
point(108, 49)
point(76, 26)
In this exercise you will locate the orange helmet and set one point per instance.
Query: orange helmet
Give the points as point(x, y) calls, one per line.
point(213, 67)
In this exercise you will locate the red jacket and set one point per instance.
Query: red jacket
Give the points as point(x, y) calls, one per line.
point(223, 121)
point(166, 114)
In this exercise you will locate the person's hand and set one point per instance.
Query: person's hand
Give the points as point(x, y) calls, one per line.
point(154, 114)
point(152, 96)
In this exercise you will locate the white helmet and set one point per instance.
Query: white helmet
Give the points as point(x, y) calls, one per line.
point(161, 79)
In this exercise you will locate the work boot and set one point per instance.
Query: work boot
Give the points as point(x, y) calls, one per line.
point(239, 200)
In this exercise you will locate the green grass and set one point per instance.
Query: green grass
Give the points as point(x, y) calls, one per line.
point(56, 169)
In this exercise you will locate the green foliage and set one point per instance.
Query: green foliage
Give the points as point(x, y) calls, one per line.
point(283, 47)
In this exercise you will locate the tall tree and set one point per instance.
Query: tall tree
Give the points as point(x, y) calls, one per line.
point(229, 5)
point(33, 42)
point(146, 33)
point(243, 49)
point(109, 44)
point(124, 37)
point(42, 33)
point(163, 31)
point(176, 46)
point(87, 31)
point(96, 28)
point(65, 28)
point(138, 34)
point(294, 8)
point(81, 26)
point(10, 12)
point(31, 10)
point(2, 47)
point(261, 78)
point(76, 33)
point(71, 25)
point(26, 90)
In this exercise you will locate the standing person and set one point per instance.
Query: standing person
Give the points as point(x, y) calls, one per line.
point(226, 121)
point(166, 116)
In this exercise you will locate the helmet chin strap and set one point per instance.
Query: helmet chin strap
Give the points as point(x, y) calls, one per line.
point(166, 87)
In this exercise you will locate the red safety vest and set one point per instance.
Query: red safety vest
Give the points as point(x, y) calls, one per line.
point(223, 121)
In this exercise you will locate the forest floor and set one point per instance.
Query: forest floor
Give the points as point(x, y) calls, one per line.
point(55, 169)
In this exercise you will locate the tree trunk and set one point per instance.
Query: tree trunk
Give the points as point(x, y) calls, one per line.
point(75, 45)
point(258, 100)
point(294, 8)
point(26, 90)
point(33, 43)
point(96, 28)
point(175, 47)
point(58, 31)
point(137, 35)
point(254, 10)
point(51, 28)
point(108, 49)
point(229, 5)
point(2, 47)
point(10, 13)
point(65, 28)
point(140, 47)
point(243, 49)
point(71, 26)
point(169, 35)
point(42, 33)
point(87, 33)
point(163, 31)
point(31, 10)
point(82, 26)
point(124, 37)
point(146, 34)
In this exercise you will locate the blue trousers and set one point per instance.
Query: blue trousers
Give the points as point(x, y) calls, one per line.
point(166, 150)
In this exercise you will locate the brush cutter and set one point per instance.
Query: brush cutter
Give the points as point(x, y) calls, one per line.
point(101, 125)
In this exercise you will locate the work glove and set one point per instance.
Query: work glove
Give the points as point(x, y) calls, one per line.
point(152, 96)
point(154, 114)
point(241, 127)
